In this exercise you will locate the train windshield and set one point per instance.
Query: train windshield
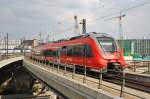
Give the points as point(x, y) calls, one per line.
point(107, 44)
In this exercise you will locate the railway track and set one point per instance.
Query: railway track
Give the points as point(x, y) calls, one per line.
point(135, 81)
point(138, 81)
point(132, 81)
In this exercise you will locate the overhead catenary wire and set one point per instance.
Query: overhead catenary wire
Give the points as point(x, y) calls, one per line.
point(115, 13)
point(102, 5)
point(124, 10)
point(62, 31)
point(67, 29)
point(97, 8)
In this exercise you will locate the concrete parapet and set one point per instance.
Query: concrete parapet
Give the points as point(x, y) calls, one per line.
point(10, 60)
point(70, 88)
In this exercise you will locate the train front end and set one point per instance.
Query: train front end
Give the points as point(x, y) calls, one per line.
point(111, 55)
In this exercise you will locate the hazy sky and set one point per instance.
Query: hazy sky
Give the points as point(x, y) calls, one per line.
point(26, 18)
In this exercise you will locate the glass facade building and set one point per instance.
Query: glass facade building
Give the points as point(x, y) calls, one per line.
point(135, 46)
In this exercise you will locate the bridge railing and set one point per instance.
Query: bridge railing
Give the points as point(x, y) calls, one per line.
point(85, 75)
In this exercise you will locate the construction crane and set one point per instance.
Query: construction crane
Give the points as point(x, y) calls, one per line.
point(121, 16)
point(120, 22)
point(120, 25)
point(124, 10)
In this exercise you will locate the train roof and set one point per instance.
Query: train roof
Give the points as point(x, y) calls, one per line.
point(92, 34)
point(95, 34)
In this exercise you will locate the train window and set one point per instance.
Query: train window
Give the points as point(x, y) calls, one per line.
point(46, 53)
point(63, 50)
point(43, 53)
point(82, 51)
point(107, 44)
point(88, 51)
point(78, 50)
point(69, 50)
point(49, 53)
point(55, 53)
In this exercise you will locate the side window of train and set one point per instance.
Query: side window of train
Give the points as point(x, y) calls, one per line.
point(48, 53)
point(88, 50)
point(55, 53)
point(82, 51)
point(78, 50)
point(59, 52)
point(44, 53)
point(69, 50)
point(63, 50)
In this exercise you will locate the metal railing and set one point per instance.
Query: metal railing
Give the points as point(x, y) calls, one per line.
point(84, 75)
point(135, 65)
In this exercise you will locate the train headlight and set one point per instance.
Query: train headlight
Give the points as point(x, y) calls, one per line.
point(118, 55)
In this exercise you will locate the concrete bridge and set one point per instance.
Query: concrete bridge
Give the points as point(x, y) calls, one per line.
point(10, 60)
point(69, 88)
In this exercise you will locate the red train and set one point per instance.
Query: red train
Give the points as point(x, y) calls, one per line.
point(93, 50)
